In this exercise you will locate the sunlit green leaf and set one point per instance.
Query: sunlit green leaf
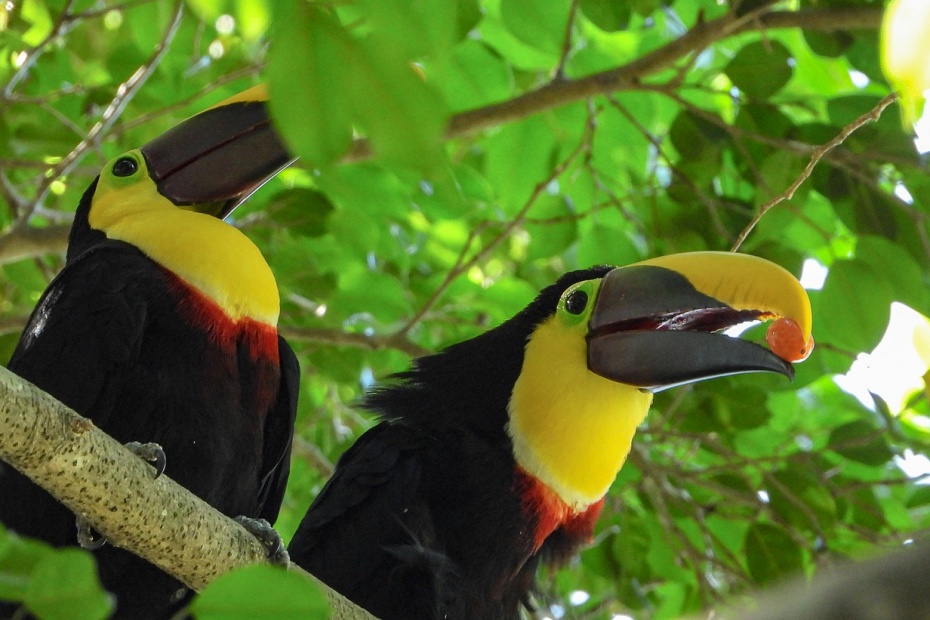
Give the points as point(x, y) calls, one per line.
point(260, 591)
point(403, 115)
point(309, 93)
point(679, 127)
point(419, 28)
point(539, 24)
point(64, 585)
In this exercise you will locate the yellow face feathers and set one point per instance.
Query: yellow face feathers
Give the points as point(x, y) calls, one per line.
point(205, 252)
point(571, 428)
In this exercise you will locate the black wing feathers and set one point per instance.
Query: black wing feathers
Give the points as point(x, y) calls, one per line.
point(370, 525)
point(278, 435)
point(80, 335)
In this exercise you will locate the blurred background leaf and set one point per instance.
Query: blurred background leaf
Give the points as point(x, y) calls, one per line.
point(733, 484)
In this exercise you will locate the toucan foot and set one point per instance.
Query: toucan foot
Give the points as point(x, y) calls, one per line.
point(88, 537)
point(268, 536)
point(151, 452)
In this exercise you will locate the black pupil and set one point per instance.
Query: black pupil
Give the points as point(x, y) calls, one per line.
point(125, 167)
point(576, 301)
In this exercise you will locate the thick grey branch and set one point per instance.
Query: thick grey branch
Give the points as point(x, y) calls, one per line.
point(99, 479)
point(702, 35)
point(890, 587)
point(30, 242)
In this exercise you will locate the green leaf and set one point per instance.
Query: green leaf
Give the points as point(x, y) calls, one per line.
point(539, 24)
point(829, 44)
point(696, 138)
point(552, 227)
point(771, 553)
point(919, 497)
point(862, 442)
point(630, 547)
point(853, 308)
point(375, 294)
point(903, 274)
point(760, 69)
point(301, 210)
point(865, 510)
point(260, 591)
point(471, 76)
point(65, 585)
point(311, 102)
point(607, 15)
point(519, 156)
point(778, 172)
point(404, 116)
point(18, 560)
point(418, 28)
point(845, 109)
point(798, 496)
point(467, 16)
point(253, 17)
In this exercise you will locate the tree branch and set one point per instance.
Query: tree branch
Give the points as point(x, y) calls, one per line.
point(99, 479)
point(702, 35)
point(562, 91)
point(341, 338)
point(31, 242)
point(817, 153)
point(894, 586)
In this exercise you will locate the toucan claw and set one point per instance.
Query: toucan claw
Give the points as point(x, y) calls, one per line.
point(151, 452)
point(268, 537)
point(87, 536)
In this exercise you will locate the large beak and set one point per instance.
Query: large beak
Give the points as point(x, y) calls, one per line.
point(653, 324)
point(214, 160)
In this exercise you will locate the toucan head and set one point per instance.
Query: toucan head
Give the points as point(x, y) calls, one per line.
point(209, 163)
point(608, 338)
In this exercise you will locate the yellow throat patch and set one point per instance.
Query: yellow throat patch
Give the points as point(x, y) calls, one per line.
point(571, 429)
point(205, 252)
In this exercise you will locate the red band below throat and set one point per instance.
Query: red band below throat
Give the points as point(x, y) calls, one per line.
point(548, 512)
point(203, 313)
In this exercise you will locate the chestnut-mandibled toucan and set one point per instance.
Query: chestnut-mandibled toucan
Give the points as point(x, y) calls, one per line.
point(161, 327)
point(496, 454)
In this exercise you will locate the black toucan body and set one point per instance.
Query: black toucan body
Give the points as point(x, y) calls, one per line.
point(162, 328)
point(495, 454)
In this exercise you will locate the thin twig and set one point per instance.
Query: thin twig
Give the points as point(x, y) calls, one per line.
point(340, 338)
point(462, 265)
point(559, 73)
point(124, 94)
point(628, 76)
point(817, 154)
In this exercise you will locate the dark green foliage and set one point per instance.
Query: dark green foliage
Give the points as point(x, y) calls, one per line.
point(733, 483)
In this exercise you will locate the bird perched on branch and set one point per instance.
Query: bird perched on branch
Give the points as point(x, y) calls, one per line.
point(495, 455)
point(162, 328)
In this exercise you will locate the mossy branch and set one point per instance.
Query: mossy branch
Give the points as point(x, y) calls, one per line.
point(98, 478)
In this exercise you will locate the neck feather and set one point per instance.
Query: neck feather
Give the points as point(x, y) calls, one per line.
point(571, 429)
point(205, 252)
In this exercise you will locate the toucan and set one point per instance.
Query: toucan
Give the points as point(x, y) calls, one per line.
point(162, 328)
point(496, 454)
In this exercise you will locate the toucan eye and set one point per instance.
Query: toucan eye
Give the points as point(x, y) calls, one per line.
point(576, 301)
point(125, 167)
